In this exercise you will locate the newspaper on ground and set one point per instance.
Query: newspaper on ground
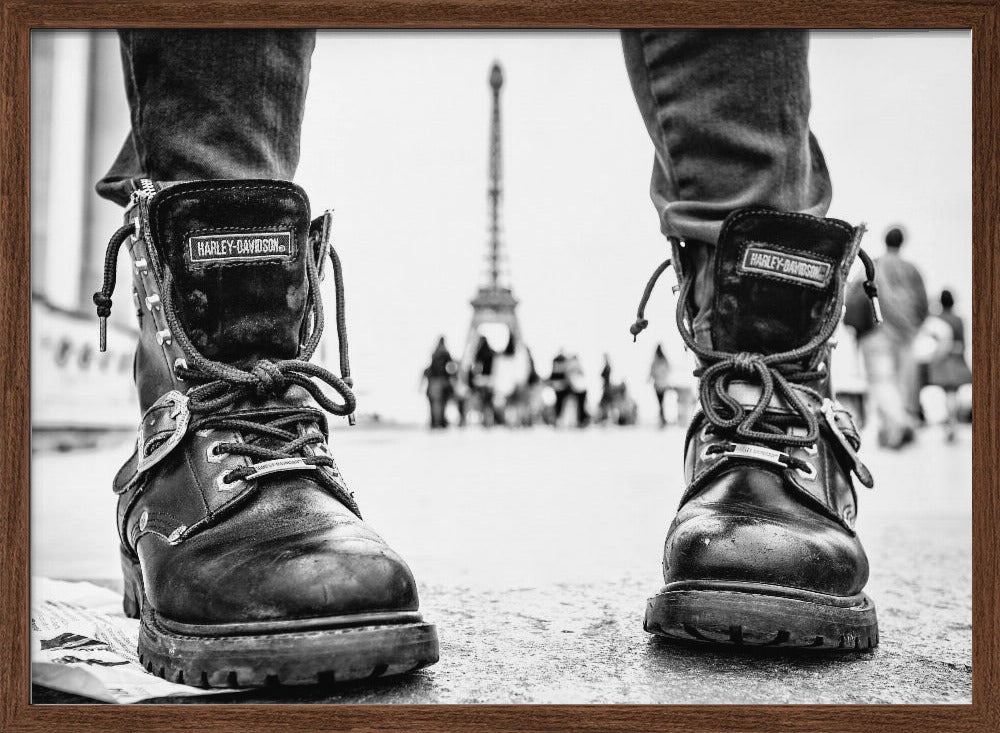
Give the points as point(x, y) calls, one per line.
point(82, 643)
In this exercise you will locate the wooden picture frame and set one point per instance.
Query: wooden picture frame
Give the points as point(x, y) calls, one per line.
point(19, 17)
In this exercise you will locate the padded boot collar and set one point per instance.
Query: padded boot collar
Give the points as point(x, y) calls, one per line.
point(776, 279)
point(237, 252)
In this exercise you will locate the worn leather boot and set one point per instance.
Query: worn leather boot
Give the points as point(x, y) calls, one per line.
point(763, 550)
point(244, 552)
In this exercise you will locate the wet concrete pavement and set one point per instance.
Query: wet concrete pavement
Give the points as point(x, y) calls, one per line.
point(535, 552)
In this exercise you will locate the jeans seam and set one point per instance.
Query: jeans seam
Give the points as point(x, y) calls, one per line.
point(137, 122)
point(660, 123)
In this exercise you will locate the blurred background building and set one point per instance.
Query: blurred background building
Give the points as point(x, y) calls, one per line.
point(79, 119)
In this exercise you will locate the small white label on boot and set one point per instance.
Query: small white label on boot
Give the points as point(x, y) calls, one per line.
point(781, 264)
point(226, 247)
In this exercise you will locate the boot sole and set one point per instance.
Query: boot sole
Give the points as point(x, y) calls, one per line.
point(767, 618)
point(320, 651)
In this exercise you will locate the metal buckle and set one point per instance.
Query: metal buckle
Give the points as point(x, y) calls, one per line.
point(177, 405)
point(829, 409)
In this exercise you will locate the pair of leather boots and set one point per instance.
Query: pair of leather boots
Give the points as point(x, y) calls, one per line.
point(244, 552)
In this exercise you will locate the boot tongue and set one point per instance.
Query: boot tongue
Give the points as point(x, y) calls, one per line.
point(776, 279)
point(237, 251)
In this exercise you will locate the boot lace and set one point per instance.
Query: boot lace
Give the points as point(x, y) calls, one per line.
point(277, 432)
point(775, 373)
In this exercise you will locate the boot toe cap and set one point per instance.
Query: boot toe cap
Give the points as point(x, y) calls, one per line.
point(742, 544)
point(319, 572)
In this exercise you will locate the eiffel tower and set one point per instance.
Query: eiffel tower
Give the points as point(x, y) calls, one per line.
point(494, 303)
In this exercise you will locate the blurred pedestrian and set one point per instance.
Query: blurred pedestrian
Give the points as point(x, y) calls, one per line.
point(666, 380)
point(568, 384)
point(659, 375)
point(949, 370)
point(607, 392)
point(888, 348)
point(440, 380)
point(481, 382)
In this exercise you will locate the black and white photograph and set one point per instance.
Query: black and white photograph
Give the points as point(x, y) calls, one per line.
point(501, 367)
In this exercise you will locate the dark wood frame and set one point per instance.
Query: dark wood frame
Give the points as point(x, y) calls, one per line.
point(20, 16)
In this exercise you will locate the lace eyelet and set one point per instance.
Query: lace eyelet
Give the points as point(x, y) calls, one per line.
point(809, 475)
point(213, 455)
point(179, 362)
point(706, 456)
point(221, 485)
point(812, 449)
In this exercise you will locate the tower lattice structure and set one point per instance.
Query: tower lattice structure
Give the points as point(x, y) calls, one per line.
point(494, 302)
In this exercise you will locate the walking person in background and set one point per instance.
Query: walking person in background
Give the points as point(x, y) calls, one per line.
point(578, 389)
point(559, 385)
point(440, 379)
point(888, 348)
point(950, 370)
point(607, 392)
point(481, 382)
point(659, 375)
point(566, 380)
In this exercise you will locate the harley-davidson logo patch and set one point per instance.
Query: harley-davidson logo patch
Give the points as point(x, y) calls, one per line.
point(802, 269)
point(241, 247)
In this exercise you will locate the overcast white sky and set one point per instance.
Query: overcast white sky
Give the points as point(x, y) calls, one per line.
point(395, 140)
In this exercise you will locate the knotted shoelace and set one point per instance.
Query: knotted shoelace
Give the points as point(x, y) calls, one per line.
point(775, 373)
point(281, 432)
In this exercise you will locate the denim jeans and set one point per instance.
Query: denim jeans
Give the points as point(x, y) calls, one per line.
point(727, 112)
point(211, 104)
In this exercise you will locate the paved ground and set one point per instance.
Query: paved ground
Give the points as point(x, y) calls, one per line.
point(536, 550)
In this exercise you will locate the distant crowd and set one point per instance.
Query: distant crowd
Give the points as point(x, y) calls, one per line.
point(480, 392)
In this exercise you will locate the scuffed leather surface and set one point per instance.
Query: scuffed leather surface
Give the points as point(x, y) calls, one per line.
point(279, 547)
point(730, 539)
point(743, 520)
point(831, 492)
point(291, 552)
